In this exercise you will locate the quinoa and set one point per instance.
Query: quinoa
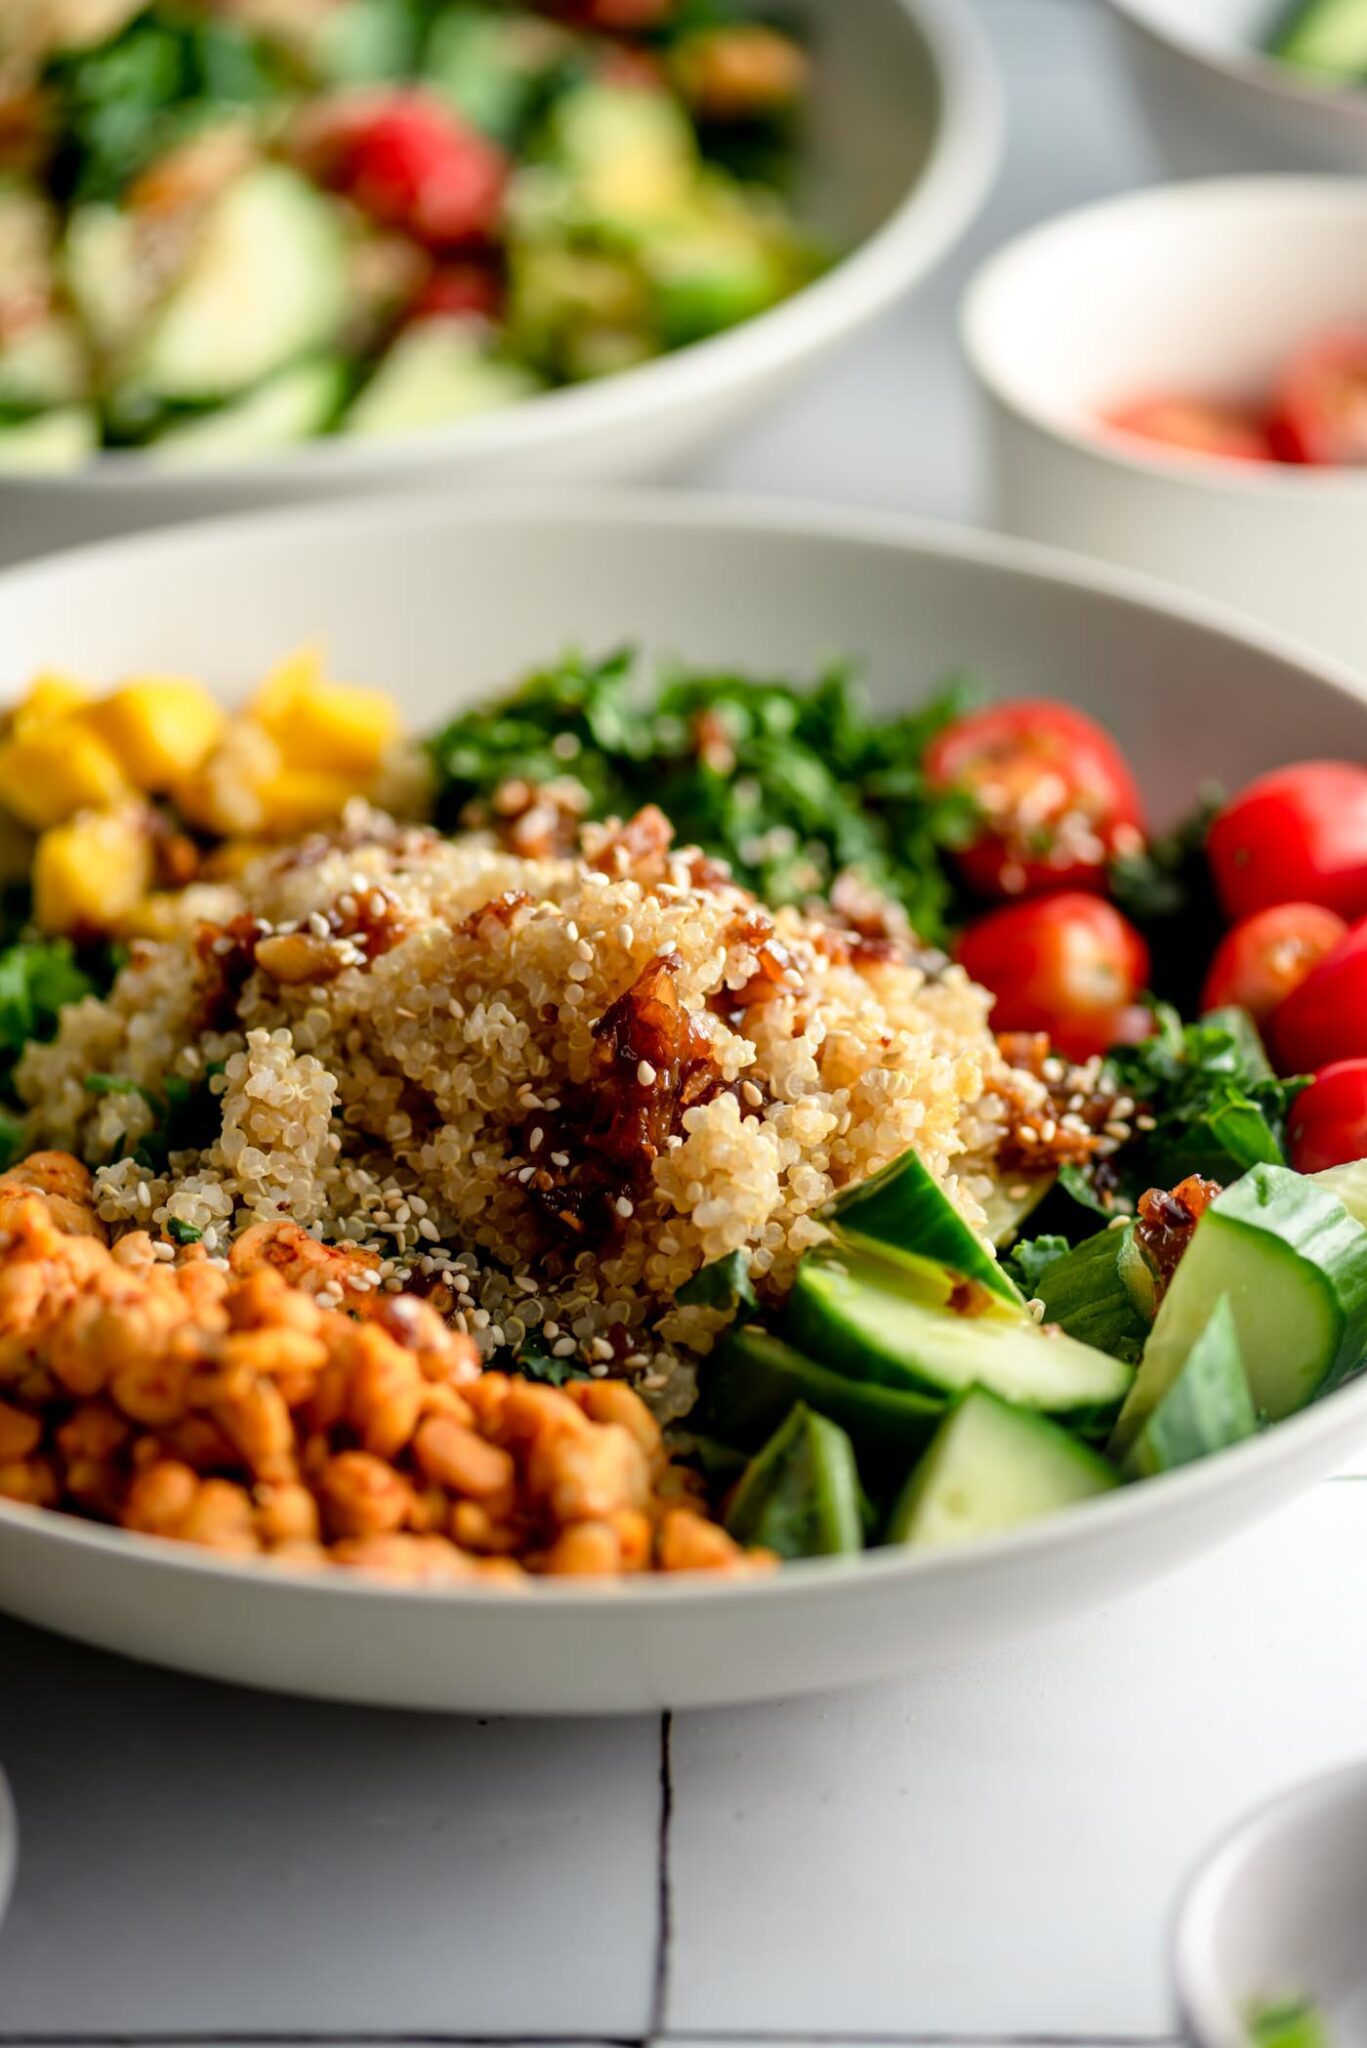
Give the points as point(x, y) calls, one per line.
point(543, 1090)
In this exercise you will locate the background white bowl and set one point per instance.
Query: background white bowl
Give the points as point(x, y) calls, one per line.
point(1194, 289)
point(904, 138)
point(1215, 101)
point(440, 600)
point(1277, 1911)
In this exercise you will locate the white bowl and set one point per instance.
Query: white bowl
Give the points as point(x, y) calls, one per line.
point(9, 1844)
point(1201, 289)
point(440, 600)
point(904, 139)
point(1215, 101)
point(1279, 1910)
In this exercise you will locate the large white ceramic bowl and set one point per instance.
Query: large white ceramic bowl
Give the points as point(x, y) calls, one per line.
point(1216, 102)
point(1205, 288)
point(903, 141)
point(1277, 1912)
point(439, 600)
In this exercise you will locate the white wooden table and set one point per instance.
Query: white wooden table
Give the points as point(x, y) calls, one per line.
point(988, 1855)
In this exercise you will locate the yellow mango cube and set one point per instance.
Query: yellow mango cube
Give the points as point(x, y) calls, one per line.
point(49, 697)
point(160, 727)
point(320, 724)
point(90, 874)
point(47, 774)
point(301, 799)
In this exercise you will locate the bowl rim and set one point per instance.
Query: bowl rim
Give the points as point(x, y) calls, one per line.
point(989, 362)
point(1246, 65)
point(952, 184)
point(1206, 2013)
point(9, 1844)
point(612, 510)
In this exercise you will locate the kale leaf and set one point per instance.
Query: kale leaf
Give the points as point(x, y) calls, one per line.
point(37, 976)
point(1028, 1261)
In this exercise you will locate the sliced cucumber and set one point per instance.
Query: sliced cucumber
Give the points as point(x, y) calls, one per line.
point(706, 275)
point(1293, 1263)
point(1328, 36)
point(1102, 1293)
point(106, 277)
point(623, 156)
point(1011, 1205)
point(438, 371)
point(752, 1381)
point(265, 284)
point(1349, 1185)
point(493, 66)
point(1207, 1408)
point(800, 1495)
point(904, 1209)
point(44, 365)
point(871, 1320)
point(290, 407)
point(50, 442)
point(991, 1467)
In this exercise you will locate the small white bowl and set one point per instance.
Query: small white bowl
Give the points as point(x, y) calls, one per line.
point(1215, 101)
point(1279, 1911)
point(1202, 289)
point(903, 141)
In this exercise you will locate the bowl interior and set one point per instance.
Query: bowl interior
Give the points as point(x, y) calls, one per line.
point(874, 118)
point(1276, 1914)
point(1223, 28)
point(1202, 289)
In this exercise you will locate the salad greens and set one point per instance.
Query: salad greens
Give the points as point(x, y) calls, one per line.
point(790, 785)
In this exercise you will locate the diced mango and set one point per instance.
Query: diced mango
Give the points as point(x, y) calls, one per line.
point(160, 727)
point(60, 768)
point(300, 799)
point(49, 697)
point(90, 874)
point(321, 724)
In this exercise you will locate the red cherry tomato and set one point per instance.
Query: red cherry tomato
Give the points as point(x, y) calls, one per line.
point(1298, 835)
point(1320, 411)
point(1069, 964)
point(408, 161)
point(1257, 965)
point(1056, 795)
point(456, 290)
point(1328, 1121)
point(1195, 426)
point(1325, 1019)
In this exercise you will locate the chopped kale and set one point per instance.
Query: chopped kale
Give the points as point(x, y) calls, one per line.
point(188, 1113)
point(37, 976)
point(182, 1233)
point(1027, 1262)
point(788, 784)
point(11, 1138)
point(535, 1363)
point(1167, 891)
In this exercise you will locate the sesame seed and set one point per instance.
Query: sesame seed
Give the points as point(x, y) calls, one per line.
point(623, 1207)
point(645, 1074)
point(564, 1347)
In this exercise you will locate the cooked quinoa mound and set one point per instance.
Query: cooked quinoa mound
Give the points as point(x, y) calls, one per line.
point(546, 1091)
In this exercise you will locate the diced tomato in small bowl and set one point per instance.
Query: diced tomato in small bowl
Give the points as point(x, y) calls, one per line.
point(1319, 413)
point(1195, 426)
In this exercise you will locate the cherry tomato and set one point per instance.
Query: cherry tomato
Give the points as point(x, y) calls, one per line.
point(1320, 411)
point(1069, 964)
point(457, 289)
point(1328, 1121)
point(1195, 426)
point(1298, 835)
point(1057, 798)
point(1257, 965)
point(409, 161)
point(1325, 1019)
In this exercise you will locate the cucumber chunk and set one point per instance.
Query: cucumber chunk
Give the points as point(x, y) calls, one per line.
point(1329, 36)
point(991, 1467)
point(800, 1495)
point(44, 366)
point(904, 1209)
point(50, 442)
point(1207, 1408)
point(438, 371)
point(1102, 1293)
point(290, 407)
point(1293, 1263)
point(1349, 1185)
point(752, 1381)
point(1010, 1206)
point(872, 1321)
point(265, 284)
